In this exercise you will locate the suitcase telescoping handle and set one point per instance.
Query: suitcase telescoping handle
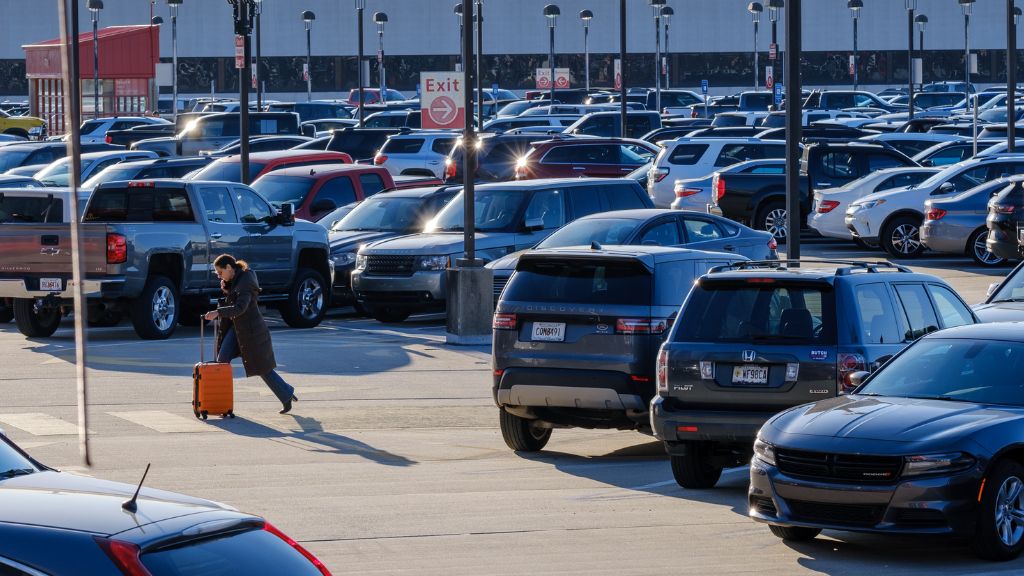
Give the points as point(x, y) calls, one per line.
point(202, 340)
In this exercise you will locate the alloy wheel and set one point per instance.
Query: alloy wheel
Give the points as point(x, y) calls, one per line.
point(775, 223)
point(311, 298)
point(1010, 511)
point(163, 308)
point(982, 254)
point(906, 239)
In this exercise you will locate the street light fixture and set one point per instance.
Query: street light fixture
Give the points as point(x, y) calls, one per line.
point(94, 10)
point(360, 8)
point(479, 5)
point(855, 7)
point(307, 19)
point(156, 21)
point(173, 6)
point(911, 6)
point(774, 9)
point(586, 16)
point(966, 6)
point(380, 19)
point(1012, 15)
point(656, 6)
point(666, 14)
point(462, 31)
point(551, 12)
point(244, 13)
point(922, 22)
point(755, 9)
point(257, 76)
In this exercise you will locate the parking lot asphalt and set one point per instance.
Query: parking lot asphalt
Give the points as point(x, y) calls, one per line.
point(392, 461)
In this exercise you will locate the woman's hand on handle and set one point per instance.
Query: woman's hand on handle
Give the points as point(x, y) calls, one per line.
point(212, 315)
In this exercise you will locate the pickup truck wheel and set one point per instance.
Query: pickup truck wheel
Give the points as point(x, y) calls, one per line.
point(521, 434)
point(901, 237)
point(16, 132)
point(794, 533)
point(978, 250)
point(694, 471)
point(35, 324)
point(6, 312)
point(155, 312)
point(307, 302)
point(772, 218)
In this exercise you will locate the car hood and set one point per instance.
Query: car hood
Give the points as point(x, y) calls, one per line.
point(351, 241)
point(507, 263)
point(888, 418)
point(1000, 311)
point(438, 243)
point(885, 194)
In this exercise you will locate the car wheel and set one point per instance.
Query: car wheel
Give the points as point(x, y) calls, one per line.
point(155, 312)
point(307, 301)
point(389, 315)
point(34, 324)
point(16, 132)
point(693, 471)
point(772, 219)
point(978, 251)
point(794, 533)
point(522, 434)
point(1000, 527)
point(901, 237)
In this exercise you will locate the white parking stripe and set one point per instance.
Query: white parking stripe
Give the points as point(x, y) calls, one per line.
point(165, 422)
point(39, 424)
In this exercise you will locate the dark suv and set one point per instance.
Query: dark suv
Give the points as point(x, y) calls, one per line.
point(592, 157)
point(576, 333)
point(1005, 215)
point(496, 157)
point(750, 342)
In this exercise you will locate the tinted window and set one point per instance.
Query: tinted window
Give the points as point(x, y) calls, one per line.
point(222, 127)
point(687, 154)
point(699, 230)
point(901, 180)
point(547, 206)
point(251, 208)
point(337, 190)
point(384, 213)
point(630, 155)
point(638, 125)
point(738, 313)
point(14, 158)
point(442, 145)
point(139, 205)
point(877, 320)
point(402, 146)
point(952, 312)
point(36, 210)
point(280, 190)
point(950, 155)
point(917, 310)
point(882, 161)
point(254, 553)
point(91, 126)
point(623, 197)
point(585, 200)
point(218, 206)
point(665, 233)
point(371, 184)
point(580, 282)
point(836, 164)
point(969, 178)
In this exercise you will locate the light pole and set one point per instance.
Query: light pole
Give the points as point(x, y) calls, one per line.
point(307, 19)
point(380, 19)
point(173, 5)
point(360, 8)
point(855, 7)
point(911, 6)
point(622, 66)
point(586, 16)
point(966, 6)
point(656, 6)
point(155, 106)
point(94, 11)
point(259, 55)
point(774, 7)
point(755, 9)
point(1012, 19)
point(462, 31)
point(551, 12)
point(243, 19)
point(666, 14)
point(480, 66)
point(922, 22)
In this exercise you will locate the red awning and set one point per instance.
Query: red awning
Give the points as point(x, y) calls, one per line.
point(125, 52)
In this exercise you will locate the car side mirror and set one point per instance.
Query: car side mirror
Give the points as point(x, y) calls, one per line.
point(856, 379)
point(308, 130)
point(991, 289)
point(928, 163)
point(533, 224)
point(287, 214)
point(946, 188)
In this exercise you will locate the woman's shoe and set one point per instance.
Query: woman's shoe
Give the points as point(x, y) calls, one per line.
point(287, 407)
point(295, 398)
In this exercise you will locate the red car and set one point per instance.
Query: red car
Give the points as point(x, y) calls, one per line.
point(229, 168)
point(577, 157)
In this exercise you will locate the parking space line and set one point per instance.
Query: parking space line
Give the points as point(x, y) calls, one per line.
point(39, 424)
point(164, 422)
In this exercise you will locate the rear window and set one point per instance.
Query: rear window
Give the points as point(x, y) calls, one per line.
point(687, 154)
point(758, 313)
point(254, 553)
point(402, 146)
point(139, 205)
point(33, 210)
point(580, 282)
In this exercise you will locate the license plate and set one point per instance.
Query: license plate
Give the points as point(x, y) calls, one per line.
point(51, 284)
point(750, 375)
point(548, 331)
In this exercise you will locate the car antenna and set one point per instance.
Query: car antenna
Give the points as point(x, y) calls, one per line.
point(130, 505)
point(596, 246)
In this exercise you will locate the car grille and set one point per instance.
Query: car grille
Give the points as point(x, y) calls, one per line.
point(919, 518)
point(764, 506)
point(499, 285)
point(839, 467)
point(836, 514)
point(389, 265)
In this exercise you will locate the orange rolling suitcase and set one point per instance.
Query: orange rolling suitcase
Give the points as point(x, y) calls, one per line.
point(213, 390)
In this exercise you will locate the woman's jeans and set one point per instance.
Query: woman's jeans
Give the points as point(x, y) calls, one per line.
point(229, 351)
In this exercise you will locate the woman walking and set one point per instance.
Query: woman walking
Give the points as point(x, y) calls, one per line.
point(242, 329)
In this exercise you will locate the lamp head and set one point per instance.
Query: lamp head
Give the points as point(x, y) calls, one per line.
point(755, 9)
point(586, 16)
point(552, 12)
point(95, 6)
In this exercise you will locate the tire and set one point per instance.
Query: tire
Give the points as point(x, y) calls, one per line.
point(16, 132)
point(998, 535)
point(105, 319)
point(156, 311)
point(6, 312)
point(864, 245)
point(693, 471)
point(307, 300)
point(389, 315)
point(978, 252)
point(772, 219)
point(521, 434)
point(794, 533)
point(901, 237)
point(32, 324)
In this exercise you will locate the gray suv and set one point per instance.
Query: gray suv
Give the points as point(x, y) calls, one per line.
point(752, 341)
point(576, 332)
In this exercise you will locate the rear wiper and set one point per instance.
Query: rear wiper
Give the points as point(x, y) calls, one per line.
point(16, 472)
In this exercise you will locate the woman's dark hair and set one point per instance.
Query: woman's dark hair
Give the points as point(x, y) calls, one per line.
point(225, 260)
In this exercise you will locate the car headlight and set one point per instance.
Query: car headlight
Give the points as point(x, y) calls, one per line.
point(868, 205)
point(360, 262)
point(343, 258)
point(937, 463)
point(764, 451)
point(35, 130)
point(432, 263)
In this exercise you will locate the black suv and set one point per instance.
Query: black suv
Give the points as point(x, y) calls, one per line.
point(496, 157)
point(753, 340)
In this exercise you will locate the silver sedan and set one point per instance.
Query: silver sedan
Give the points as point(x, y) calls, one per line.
point(957, 225)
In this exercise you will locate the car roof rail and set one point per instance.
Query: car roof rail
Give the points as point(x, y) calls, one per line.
point(848, 266)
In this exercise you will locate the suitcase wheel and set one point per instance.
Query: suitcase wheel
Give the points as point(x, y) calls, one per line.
point(204, 414)
point(230, 414)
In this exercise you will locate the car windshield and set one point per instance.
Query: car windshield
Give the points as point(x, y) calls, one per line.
point(12, 159)
point(495, 211)
point(227, 170)
point(280, 190)
point(516, 108)
point(589, 230)
point(941, 176)
point(12, 463)
point(1012, 289)
point(111, 174)
point(953, 369)
point(581, 281)
point(384, 214)
point(56, 174)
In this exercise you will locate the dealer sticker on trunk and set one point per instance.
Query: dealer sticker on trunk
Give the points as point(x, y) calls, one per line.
point(819, 354)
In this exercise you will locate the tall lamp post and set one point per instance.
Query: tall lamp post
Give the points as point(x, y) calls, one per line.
point(243, 19)
point(551, 12)
point(622, 66)
point(360, 8)
point(94, 11)
point(462, 32)
point(966, 6)
point(922, 22)
point(656, 6)
point(911, 6)
point(774, 7)
point(1012, 19)
point(173, 5)
point(666, 14)
point(755, 9)
point(480, 66)
point(257, 74)
point(380, 19)
point(855, 7)
point(586, 16)
point(307, 19)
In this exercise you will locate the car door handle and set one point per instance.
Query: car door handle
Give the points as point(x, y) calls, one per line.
point(579, 168)
point(729, 247)
point(216, 235)
point(434, 162)
point(823, 184)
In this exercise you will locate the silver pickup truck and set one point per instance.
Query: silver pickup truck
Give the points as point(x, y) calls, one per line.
point(148, 249)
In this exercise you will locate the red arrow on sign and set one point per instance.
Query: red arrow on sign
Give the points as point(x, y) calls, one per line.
point(442, 110)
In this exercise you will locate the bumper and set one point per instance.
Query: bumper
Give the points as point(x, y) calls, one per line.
point(861, 228)
point(710, 426)
point(932, 505)
point(21, 288)
point(422, 290)
point(696, 202)
point(1002, 243)
point(341, 288)
point(829, 225)
point(943, 238)
point(560, 388)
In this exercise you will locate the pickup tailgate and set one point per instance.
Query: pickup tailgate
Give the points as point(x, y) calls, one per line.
point(36, 259)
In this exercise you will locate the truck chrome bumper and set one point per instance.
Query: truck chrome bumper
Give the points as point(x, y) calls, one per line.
point(10, 288)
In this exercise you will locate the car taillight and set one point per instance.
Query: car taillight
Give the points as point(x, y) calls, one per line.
point(827, 206)
point(772, 244)
point(1003, 208)
point(449, 169)
point(693, 112)
point(108, 139)
point(662, 370)
point(934, 214)
point(504, 322)
point(142, 184)
point(718, 185)
point(682, 192)
point(379, 159)
point(640, 326)
point(298, 548)
point(847, 365)
point(124, 555)
point(660, 174)
point(117, 249)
